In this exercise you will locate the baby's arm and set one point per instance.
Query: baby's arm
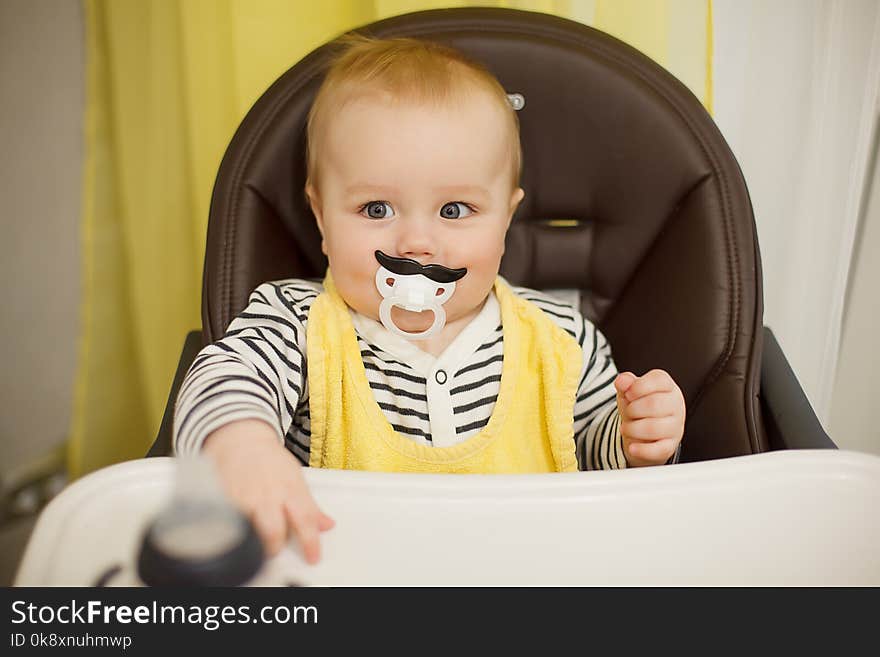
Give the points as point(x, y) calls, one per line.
point(596, 420)
point(266, 481)
point(238, 400)
point(622, 420)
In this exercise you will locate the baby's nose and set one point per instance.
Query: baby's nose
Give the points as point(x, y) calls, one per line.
point(416, 240)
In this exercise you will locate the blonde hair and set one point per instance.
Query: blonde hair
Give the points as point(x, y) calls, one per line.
point(410, 70)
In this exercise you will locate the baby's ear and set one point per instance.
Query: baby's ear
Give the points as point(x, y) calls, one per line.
point(516, 198)
point(315, 204)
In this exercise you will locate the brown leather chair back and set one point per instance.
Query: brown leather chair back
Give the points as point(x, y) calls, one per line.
point(657, 230)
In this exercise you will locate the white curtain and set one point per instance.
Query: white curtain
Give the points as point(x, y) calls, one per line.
point(796, 85)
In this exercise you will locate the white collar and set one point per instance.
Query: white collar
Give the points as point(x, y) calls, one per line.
point(456, 354)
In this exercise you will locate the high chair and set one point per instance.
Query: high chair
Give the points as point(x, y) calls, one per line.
point(633, 199)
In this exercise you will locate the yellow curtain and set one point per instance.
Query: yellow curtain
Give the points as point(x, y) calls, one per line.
point(168, 81)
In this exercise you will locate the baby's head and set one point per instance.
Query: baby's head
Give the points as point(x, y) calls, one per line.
point(413, 150)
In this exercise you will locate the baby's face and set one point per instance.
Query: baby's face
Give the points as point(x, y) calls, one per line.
point(415, 182)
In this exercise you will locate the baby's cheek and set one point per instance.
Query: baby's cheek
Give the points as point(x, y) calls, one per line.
point(473, 288)
point(484, 267)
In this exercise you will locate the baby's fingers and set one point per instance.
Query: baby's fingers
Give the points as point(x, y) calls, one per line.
point(307, 524)
point(653, 381)
point(651, 453)
point(271, 526)
point(658, 404)
point(622, 383)
point(325, 522)
point(652, 428)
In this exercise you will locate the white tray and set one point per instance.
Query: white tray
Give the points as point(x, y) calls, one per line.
point(781, 518)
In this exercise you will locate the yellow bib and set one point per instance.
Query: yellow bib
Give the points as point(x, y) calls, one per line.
point(531, 428)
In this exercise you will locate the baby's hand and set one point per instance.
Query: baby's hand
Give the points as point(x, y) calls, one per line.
point(652, 414)
point(266, 482)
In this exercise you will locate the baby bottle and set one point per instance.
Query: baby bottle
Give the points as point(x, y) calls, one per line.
point(199, 538)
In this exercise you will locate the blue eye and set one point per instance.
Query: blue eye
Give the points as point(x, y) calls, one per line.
point(377, 210)
point(456, 210)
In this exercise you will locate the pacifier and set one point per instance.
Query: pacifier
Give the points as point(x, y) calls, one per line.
point(405, 283)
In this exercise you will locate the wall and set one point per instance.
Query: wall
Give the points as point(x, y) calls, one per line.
point(796, 84)
point(854, 424)
point(41, 77)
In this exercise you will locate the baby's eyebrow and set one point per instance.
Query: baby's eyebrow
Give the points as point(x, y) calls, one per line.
point(365, 188)
point(464, 191)
point(451, 192)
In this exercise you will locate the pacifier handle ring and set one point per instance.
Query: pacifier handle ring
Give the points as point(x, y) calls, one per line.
point(385, 316)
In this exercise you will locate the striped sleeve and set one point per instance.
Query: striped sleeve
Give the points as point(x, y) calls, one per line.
point(596, 420)
point(256, 371)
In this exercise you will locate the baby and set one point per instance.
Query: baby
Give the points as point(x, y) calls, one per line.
point(414, 355)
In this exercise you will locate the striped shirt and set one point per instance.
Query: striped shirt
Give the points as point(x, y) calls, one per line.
point(258, 370)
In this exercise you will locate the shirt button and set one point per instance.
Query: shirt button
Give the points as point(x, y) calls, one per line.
point(440, 377)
